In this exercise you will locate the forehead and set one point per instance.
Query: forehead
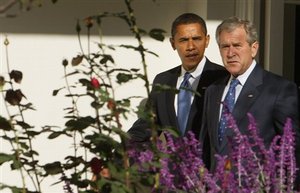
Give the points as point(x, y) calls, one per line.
point(236, 35)
point(192, 28)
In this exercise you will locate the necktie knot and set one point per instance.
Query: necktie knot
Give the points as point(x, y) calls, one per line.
point(234, 82)
point(186, 78)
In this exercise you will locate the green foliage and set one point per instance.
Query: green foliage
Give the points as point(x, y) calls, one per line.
point(91, 77)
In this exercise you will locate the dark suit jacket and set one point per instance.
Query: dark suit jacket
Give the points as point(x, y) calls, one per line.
point(268, 97)
point(162, 102)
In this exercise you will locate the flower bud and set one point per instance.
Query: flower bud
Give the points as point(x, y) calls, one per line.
point(95, 83)
point(89, 22)
point(16, 76)
point(111, 104)
point(228, 165)
point(6, 42)
point(96, 165)
point(65, 62)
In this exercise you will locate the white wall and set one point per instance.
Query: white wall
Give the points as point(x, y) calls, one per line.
point(38, 55)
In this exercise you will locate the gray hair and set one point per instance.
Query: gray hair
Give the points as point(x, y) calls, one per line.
point(232, 23)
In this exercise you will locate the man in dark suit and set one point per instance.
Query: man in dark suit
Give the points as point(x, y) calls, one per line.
point(189, 37)
point(271, 99)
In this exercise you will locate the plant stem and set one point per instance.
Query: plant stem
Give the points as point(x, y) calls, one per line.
point(141, 48)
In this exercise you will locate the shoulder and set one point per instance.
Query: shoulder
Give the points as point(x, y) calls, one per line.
point(214, 69)
point(213, 72)
point(214, 66)
point(165, 75)
point(276, 80)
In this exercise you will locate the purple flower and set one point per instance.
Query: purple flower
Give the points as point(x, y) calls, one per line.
point(250, 167)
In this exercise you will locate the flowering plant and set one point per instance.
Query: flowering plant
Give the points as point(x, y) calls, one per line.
point(99, 161)
point(251, 167)
point(107, 163)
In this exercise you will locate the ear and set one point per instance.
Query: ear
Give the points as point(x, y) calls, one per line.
point(172, 43)
point(254, 49)
point(207, 41)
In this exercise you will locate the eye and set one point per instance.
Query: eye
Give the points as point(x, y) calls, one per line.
point(224, 46)
point(198, 38)
point(183, 39)
point(237, 45)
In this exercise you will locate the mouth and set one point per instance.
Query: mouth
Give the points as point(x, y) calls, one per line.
point(232, 62)
point(192, 55)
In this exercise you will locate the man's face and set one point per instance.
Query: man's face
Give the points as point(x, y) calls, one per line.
point(236, 53)
point(190, 42)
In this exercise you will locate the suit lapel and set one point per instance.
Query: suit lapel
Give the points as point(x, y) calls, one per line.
point(204, 81)
point(170, 96)
point(248, 94)
point(216, 99)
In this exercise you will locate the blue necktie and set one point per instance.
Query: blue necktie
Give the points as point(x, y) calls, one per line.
point(229, 103)
point(184, 102)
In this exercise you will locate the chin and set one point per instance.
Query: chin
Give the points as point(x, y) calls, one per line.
point(191, 66)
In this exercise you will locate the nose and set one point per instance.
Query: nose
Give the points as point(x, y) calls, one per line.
point(230, 52)
point(190, 45)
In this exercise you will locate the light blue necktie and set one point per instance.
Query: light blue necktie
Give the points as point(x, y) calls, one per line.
point(184, 102)
point(229, 103)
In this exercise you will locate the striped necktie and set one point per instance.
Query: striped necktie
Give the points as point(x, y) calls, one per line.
point(184, 102)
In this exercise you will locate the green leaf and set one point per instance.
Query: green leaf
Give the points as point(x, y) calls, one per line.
point(16, 164)
point(5, 158)
point(4, 124)
point(54, 135)
point(122, 78)
point(157, 34)
point(30, 153)
point(15, 189)
point(55, 92)
point(73, 162)
point(106, 58)
point(32, 133)
point(135, 69)
point(80, 123)
point(24, 125)
point(53, 168)
point(28, 106)
point(85, 82)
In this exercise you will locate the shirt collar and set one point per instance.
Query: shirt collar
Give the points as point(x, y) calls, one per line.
point(243, 77)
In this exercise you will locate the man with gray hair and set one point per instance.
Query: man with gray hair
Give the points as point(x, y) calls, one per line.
point(269, 98)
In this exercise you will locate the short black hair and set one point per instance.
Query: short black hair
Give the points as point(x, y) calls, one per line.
point(187, 18)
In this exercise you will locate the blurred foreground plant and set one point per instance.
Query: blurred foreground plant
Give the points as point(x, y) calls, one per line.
point(91, 78)
point(251, 167)
point(102, 161)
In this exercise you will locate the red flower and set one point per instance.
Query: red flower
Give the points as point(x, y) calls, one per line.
point(96, 165)
point(95, 83)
